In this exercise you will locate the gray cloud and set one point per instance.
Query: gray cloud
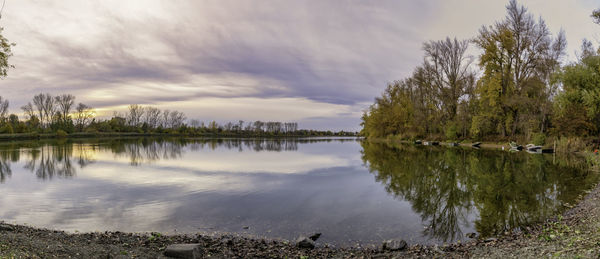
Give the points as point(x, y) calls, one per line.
point(112, 53)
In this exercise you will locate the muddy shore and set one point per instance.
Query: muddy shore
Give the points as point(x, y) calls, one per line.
point(575, 233)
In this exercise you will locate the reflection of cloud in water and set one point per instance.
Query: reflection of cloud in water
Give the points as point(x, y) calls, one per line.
point(342, 202)
point(234, 161)
point(87, 206)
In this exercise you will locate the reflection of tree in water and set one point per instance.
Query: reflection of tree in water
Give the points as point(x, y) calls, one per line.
point(48, 159)
point(257, 145)
point(144, 150)
point(7, 154)
point(446, 185)
point(56, 159)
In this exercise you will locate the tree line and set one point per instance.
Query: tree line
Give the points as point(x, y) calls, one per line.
point(520, 88)
point(52, 114)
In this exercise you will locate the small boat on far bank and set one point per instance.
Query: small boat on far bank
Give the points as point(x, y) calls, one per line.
point(476, 144)
point(533, 148)
point(515, 147)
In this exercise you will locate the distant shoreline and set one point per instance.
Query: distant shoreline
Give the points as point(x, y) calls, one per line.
point(36, 136)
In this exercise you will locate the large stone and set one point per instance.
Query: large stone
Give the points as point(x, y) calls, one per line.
point(394, 245)
point(491, 239)
point(315, 236)
point(187, 251)
point(6, 227)
point(305, 242)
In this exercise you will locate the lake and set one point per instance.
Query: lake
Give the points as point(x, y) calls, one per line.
point(352, 191)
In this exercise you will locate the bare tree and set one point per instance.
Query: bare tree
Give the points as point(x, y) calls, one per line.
point(152, 116)
point(65, 103)
point(258, 126)
point(165, 119)
point(44, 104)
point(176, 119)
point(28, 110)
point(447, 64)
point(84, 115)
point(240, 125)
point(49, 108)
point(134, 117)
point(38, 101)
point(228, 126)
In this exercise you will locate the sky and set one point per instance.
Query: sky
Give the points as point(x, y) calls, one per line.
point(318, 63)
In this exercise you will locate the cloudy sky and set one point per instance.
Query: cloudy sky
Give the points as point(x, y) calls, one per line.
point(319, 63)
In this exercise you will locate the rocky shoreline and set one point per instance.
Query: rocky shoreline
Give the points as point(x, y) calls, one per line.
point(572, 234)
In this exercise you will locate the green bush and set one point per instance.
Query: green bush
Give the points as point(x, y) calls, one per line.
point(593, 160)
point(569, 145)
point(61, 134)
point(91, 130)
point(539, 139)
point(451, 131)
point(6, 129)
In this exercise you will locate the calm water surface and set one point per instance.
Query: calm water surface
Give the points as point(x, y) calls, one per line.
point(352, 191)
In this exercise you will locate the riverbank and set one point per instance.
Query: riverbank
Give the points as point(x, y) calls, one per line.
point(572, 234)
point(486, 145)
point(37, 136)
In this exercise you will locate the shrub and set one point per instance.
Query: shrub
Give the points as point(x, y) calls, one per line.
point(569, 145)
point(593, 160)
point(91, 130)
point(451, 131)
point(539, 139)
point(61, 134)
point(7, 129)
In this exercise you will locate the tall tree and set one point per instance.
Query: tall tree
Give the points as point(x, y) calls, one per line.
point(84, 115)
point(519, 55)
point(65, 102)
point(38, 101)
point(577, 106)
point(44, 104)
point(49, 108)
point(28, 110)
point(3, 110)
point(5, 54)
point(447, 64)
point(152, 116)
point(135, 114)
